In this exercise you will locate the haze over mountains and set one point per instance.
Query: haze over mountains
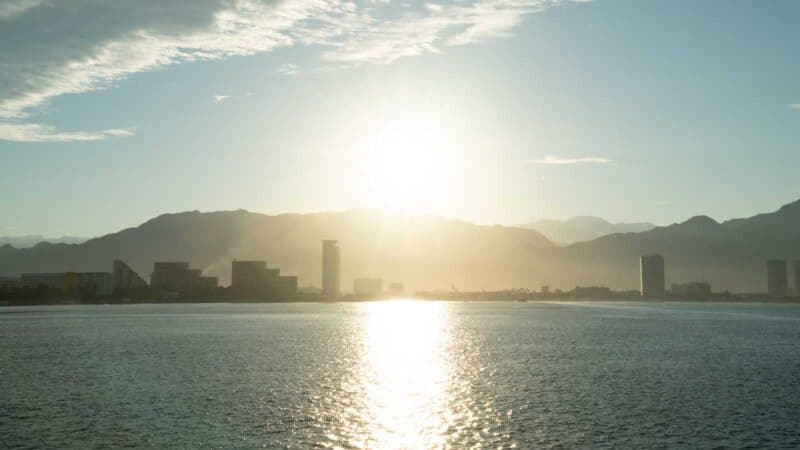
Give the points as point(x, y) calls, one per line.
point(433, 252)
point(33, 239)
point(583, 228)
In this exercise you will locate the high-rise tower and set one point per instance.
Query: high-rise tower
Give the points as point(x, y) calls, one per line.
point(331, 268)
point(651, 268)
point(777, 278)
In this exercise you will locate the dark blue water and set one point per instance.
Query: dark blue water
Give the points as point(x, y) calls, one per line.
point(401, 375)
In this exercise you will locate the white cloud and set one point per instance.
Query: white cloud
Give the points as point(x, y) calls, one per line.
point(557, 160)
point(11, 8)
point(119, 132)
point(288, 69)
point(221, 98)
point(436, 25)
point(34, 132)
point(55, 48)
point(795, 106)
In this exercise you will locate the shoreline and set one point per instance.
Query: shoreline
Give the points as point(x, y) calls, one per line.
point(732, 299)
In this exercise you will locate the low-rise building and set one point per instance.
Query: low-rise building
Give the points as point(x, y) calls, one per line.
point(124, 278)
point(696, 288)
point(177, 276)
point(255, 275)
point(10, 282)
point(95, 282)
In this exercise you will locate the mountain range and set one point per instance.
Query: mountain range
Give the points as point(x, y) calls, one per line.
point(432, 252)
point(583, 228)
point(33, 239)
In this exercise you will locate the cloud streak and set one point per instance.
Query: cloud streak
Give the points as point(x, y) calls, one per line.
point(34, 132)
point(53, 48)
point(559, 161)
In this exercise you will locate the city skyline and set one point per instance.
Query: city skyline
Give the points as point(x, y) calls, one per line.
point(434, 253)
point(252, 280)
point(520, 110)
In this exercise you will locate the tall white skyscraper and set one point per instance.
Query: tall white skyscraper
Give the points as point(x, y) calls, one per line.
point(331, 268)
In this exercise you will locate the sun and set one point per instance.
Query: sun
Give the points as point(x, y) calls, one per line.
point(404, 164)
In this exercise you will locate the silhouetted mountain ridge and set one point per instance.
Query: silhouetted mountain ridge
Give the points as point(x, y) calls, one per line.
point(730, 255)
point(784, 220)
point(419, 250)
point(432, 252)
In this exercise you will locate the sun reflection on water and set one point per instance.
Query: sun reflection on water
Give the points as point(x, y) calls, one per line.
point(404, 374)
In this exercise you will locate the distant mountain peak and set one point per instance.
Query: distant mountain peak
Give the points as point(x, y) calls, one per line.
point(702, 220)
point(700, 225)
point(583, 228)
point(32, 240)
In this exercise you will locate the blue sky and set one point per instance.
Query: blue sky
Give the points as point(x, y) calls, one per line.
point(111, 114)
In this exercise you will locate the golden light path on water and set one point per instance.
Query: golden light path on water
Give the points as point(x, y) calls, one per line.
point(409, 376)
point(405, 372)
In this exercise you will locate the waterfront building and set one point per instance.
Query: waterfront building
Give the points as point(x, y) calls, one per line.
point(249, 274)
point(695, 288)
point(125, 278)
point(651, 269)
point(777, 278)
point(96, 282)
point(177, 276)
point(368, 287)
point(331, 268)
point(10, 282)
point(796, 277)
point(256, 275)
point(286, 284)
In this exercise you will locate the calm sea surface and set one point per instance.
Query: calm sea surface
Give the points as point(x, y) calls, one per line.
point(401, 375)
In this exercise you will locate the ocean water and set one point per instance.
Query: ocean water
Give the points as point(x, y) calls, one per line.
point(401, 374)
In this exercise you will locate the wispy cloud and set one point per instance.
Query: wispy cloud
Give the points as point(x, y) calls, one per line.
point(34, 132)
point(119, 132)
point(11, 8)
point(288, 69)
point(118, 39)
point(795, 106)
point(557, 160)
point(223, 98)
point(433, 27)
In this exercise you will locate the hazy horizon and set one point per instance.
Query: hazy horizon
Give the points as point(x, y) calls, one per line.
point(13, 232)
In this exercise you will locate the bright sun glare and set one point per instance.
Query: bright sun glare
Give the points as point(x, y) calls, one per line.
point(406, 374)
point(404, 162)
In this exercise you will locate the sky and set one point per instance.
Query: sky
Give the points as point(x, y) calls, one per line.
point(494, 111)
